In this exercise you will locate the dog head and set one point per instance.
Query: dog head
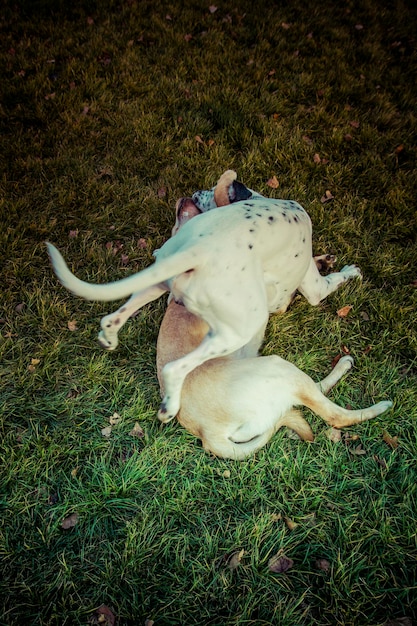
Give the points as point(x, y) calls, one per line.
point(227, 190)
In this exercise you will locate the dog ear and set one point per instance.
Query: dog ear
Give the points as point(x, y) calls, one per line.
point(185, 210)
point(238, 192)
point(221, 191)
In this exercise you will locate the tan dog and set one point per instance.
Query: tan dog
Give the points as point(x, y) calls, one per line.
point(235, 405)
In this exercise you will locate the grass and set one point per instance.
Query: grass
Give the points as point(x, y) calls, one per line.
point(101, 106)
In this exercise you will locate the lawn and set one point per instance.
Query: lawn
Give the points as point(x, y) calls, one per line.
point(110, 111)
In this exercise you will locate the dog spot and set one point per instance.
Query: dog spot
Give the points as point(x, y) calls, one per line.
point(123, 309)
point(117, 322)
point(295, 219)
point(243, 268)
point(284, 214)
point(251, 230)
point(250, 246)
point(248, 217)
point(296, 255)
point(304, 239)
point(250, 204)
point(259, 214)
point(271, 219)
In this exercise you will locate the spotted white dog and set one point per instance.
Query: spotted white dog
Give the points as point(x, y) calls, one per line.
point(230, 267)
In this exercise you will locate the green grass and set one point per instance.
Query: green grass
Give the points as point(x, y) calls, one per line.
point(101, 105)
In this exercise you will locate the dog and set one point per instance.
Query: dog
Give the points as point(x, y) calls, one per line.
point(230, 267)
point(234, 404)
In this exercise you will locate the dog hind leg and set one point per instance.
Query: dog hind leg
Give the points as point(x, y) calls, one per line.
point(316, 287)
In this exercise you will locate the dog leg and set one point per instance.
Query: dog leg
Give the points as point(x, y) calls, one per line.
point(112, 323)
point(340, 369)
point(315, 287)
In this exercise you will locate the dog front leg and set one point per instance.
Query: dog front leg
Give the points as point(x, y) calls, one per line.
point(174, 373)
point(112, 323)
point(316, 287)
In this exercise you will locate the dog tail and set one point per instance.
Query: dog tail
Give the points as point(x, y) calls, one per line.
point(157, 273)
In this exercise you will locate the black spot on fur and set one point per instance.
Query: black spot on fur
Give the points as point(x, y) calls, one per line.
point(271, 218)
point(259, 214)
point(250, 246)
point(248, 217)
point(249, 204)
point(251, 230)
point(304, 239)
point(117, 322)
point(295, 218)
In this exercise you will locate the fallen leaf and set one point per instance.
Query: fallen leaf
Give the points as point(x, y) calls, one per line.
point(344, 311)
point(349, 437)
point(323, 565)
point(276, 517)
point(74, 472)
point(211, 142)
point(358, 451)
point(399, 149)
point(72, 325)
point(235, 559)
point(198, 139)
point(392, 442)
point(290, 523)
point(280, 563)
point(334, 434)
point(70, 521)
point(226, 474)
point(308, 140)
point(354, 124)
point(273, 182)
point(413, 283)
point(285, 26)
point(381, 462)
point(162, 192)
point(212, 8)
point(364, 315)
point(142, 243)
point(316, 158)
point(106, 432)
point(188, 37)
point(33, 364)
point(105, 616)
point(124, 259)
point(73, 233)
point(19, 307)
point(149, 622)
point(359, 26)
point(114, 419)
point(137, 431)
point(328, 197)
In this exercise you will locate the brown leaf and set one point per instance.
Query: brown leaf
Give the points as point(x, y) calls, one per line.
point(328, 196)
point(354, 124)
point(72, 325)
point(307, 140)
point(273, 182)
point(114, 419)
point(316, 158)
point(70, 521)
point(105, 616)
point(382, 462)
point(142, 243)
point(358, 451)
point(290, 523)
point(198, 139)
point(413, 283)
point(235, 559)
point(392, 442)
point(212, 8)
point(137, 431)
point(335, 360)
point(344, 311)
point(334, 434)
point(19, 307)
point(280, 563)
point(323, 565)
point(399, 148)
point(399, 621)
point(149, 622)
point(162, 192)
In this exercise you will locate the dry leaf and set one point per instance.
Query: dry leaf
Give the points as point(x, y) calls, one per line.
point(70, 521)
point(413, 283)
point(137, 431)
point(72, 325)
point(273, 182)
point(308, 140)
point(328, 196)
point(212, 8)
point(74, 472)
point(226, 474)
point(392, 442)
point(381, 462)
point(334, 434)
point(198, 139)
point(149, 622)
point(344, 311)
point(323, 565)
point(19, 307)
point(235, 559)
point(354, 124)
point(106, 432)
point(358, 451)
point(105, 616)
point(316, 158)
point(33, 364)
point(114, 419)
point(290, 523)
point(276, 517)
point(162, 192)
point(280, 563)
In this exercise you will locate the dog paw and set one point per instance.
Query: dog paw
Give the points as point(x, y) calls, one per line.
point(383, 406)
point(347, 362)
point(105, 343)
point(351, 271)
point(164, 415)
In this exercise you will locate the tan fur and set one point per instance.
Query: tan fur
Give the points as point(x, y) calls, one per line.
point(235, 405)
